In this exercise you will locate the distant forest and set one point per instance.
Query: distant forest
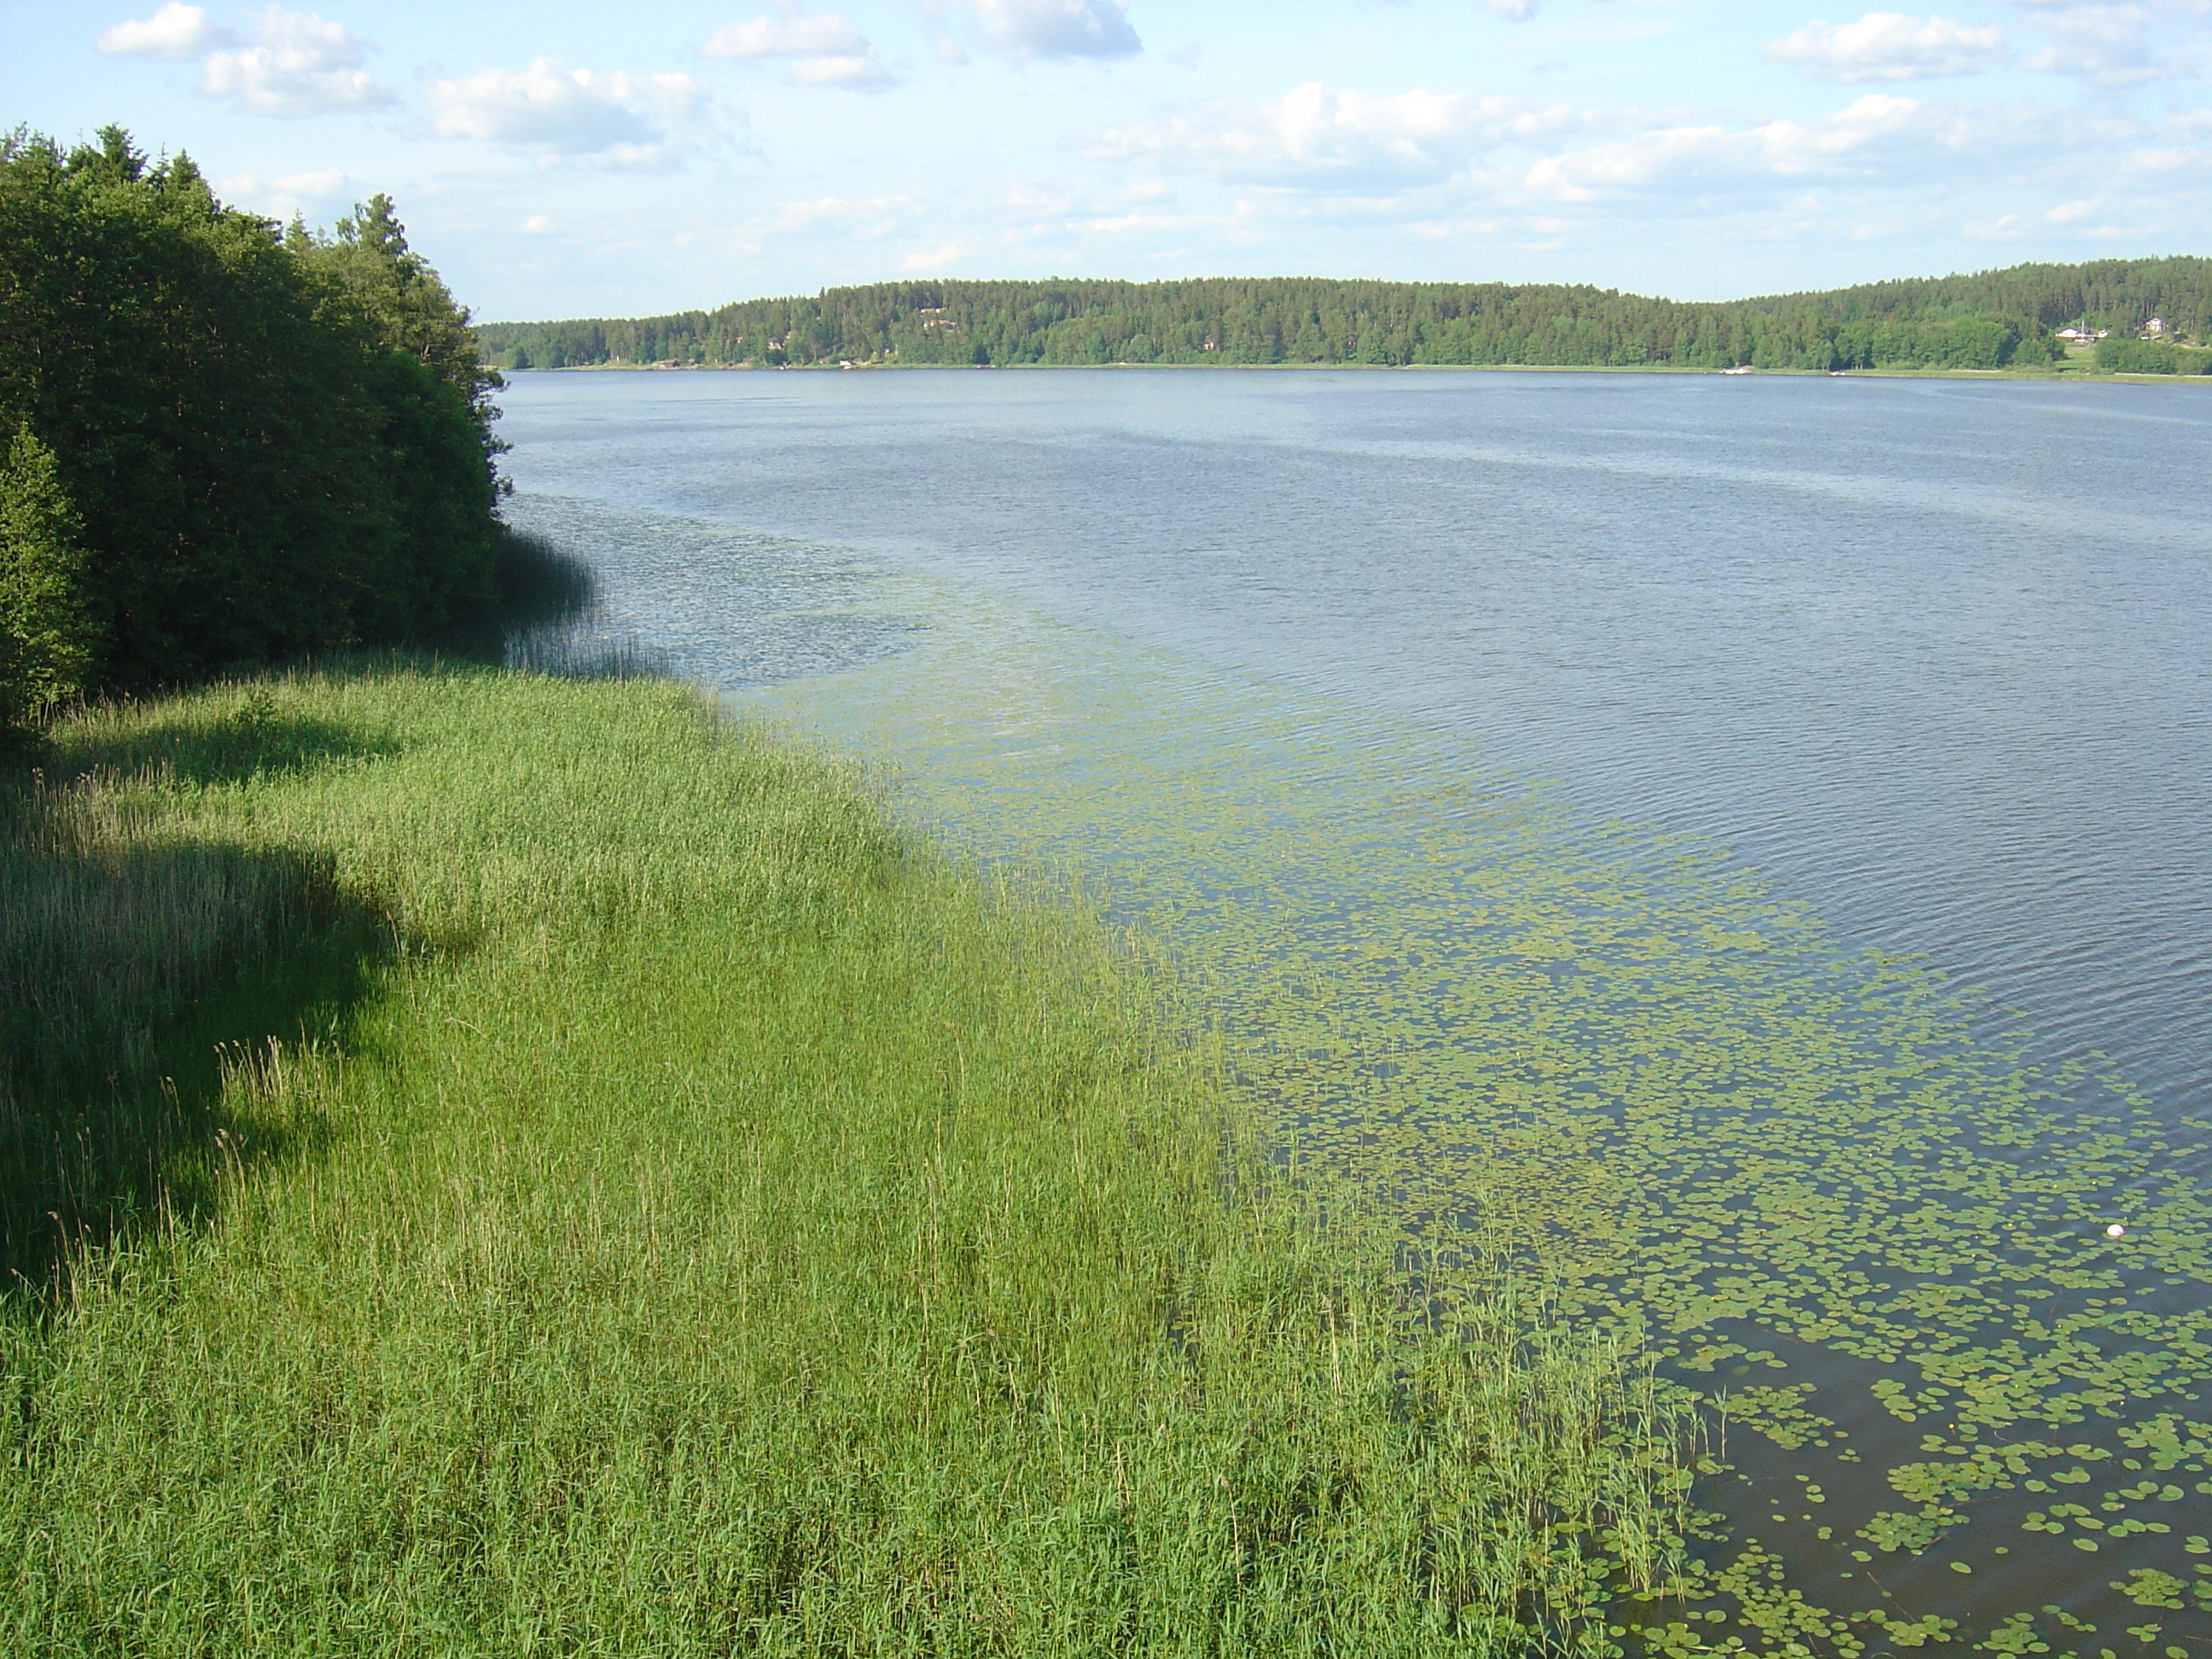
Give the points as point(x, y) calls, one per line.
point(1993, 319)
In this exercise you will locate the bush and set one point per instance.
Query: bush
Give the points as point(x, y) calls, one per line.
point(2120, 355)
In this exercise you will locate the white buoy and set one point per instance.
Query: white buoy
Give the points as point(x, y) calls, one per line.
point(2116, 1230)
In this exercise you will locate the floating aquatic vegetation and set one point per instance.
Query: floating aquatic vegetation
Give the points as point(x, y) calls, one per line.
point(1881, 1246)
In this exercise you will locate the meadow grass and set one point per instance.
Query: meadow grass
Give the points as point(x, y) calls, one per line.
point(502, 1164)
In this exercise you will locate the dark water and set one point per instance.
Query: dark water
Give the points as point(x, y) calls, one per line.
point(1931, 654)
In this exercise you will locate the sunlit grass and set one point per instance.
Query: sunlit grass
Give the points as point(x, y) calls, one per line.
point(645, 1203)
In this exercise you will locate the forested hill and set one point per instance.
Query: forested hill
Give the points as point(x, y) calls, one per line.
point(1992, 320)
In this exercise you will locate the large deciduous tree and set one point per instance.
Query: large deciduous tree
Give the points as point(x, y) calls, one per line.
point(46, 637)
point(256, 444)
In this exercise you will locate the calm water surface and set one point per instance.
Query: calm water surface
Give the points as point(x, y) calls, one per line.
point(1930, 654)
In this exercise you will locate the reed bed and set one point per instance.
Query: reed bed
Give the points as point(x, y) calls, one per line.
point(502, 1164)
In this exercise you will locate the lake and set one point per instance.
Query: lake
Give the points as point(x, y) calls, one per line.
point(1742, 843)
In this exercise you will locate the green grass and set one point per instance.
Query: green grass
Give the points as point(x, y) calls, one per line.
point(497, 1164)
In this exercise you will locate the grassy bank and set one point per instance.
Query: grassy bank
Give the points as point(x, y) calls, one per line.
point(500, 1164)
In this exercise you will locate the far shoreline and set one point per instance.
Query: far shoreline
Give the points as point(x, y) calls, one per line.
point(2046, 376)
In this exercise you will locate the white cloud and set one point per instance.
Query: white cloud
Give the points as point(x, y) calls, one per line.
point(869, 216)
point(1519, 11)
point(855, 72)
point(289, 193)
point(1022, 29)
point(2086, 221)
point(2120, 46)
point(1881, 137)
point(287, 64)
point(1042, 211)
point(2175, 153)
point(174, 34)
point(302, 65)
point(1887, 45)
point(939, 258)
point(787, 34)
point(578, 115)
point(825, 49)
point(1315, 137)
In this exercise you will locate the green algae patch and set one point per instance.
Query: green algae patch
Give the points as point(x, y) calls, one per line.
point(1877, 1239)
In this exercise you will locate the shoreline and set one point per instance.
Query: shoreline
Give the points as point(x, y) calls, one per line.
point(2041, 376)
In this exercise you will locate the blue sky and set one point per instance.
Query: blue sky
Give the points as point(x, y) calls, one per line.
point(567, 160)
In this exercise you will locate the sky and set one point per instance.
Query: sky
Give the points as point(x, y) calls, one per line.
point(565, 160)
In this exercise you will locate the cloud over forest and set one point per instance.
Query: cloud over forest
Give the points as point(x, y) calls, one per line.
point(821, 48)
point(577, 116)
point(283, 63)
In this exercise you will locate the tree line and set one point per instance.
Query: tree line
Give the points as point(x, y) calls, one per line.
point(1992, 320)
point(222, 441)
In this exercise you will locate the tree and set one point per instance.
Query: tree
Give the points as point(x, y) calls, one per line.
point(45, 628)
point(262, 443)
point(1975, 321)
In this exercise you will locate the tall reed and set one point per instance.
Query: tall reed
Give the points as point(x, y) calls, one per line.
point(685, 1214)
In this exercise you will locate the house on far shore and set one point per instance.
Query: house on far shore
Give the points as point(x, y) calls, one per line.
point(2080, 336)
point(2152, 329)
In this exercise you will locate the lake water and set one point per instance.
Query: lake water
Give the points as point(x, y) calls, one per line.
point(1554, 750)
point(1936, 656)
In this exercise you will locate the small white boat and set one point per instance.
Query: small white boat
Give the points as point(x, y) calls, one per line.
point(1741, 368)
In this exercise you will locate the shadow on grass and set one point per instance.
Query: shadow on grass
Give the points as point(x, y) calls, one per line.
point(112, 1107)
point(540, 588)
point(132, 960)
point(252, 742)
point(136, 964)
point(545, 592)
